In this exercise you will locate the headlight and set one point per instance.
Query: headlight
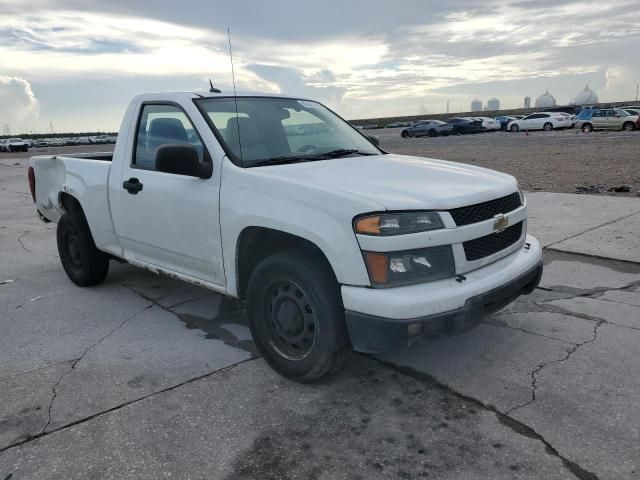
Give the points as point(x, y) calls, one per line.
point(392, 269)
point(398, 223)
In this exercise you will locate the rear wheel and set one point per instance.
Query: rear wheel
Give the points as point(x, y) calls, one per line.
point(433, 133)
point(84, 264)
point(296, 316)
point(547, 127)
point(404, 134)
point(628, 126)
point(587, 127)
point(515, 128)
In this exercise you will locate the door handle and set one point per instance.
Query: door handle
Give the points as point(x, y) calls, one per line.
point(133, 186)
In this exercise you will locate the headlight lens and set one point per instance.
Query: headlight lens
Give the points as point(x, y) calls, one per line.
point(392, 269)
point(398, 223)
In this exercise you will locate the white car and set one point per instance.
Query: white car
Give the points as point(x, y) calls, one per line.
point(541, 121)
point(56, 142)
point(3, 144)
point(334, 243)
point(489, 123)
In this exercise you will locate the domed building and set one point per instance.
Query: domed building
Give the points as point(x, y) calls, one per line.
point(545, 101)
point(585, 97)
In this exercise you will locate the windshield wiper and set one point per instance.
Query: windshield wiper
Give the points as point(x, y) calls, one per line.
point(281, 160)
point(284, 159)
point(340, 152)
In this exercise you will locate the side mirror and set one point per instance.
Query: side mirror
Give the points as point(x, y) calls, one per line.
point(375, 140)
point(181, 159)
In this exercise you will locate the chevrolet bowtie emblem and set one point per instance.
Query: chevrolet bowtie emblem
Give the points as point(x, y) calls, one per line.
point(500, 222)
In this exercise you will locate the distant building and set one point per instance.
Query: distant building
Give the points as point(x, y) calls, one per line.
point(585, 97)
point(546, 100)
point(476, 106)
point(493, 104)
point(527, 102)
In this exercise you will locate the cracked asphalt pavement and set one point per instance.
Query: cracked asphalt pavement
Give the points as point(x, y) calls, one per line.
point(147, 377)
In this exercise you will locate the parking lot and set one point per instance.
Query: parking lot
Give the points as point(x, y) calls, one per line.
point(147, 377)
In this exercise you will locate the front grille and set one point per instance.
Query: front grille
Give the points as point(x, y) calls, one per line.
point(486, 210)
point(488, 245)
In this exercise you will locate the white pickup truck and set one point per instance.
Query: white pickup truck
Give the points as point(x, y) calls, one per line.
point(334, 243)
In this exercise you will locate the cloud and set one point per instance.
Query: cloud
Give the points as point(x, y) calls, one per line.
point(19, 104)
point(385, 58)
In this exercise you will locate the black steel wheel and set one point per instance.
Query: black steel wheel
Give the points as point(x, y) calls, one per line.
point(84, 264)
point(291, 320)
point(296, 315)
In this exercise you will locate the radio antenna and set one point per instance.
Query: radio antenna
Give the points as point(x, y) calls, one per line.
point(235, 97)
point(211, 87)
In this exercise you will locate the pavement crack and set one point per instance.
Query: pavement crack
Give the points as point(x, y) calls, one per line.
point(24, 234)
point(75, 362)
point(122, 405)
point(528, 332)
point(591, 229)
point(504, 418)
point(541, 366)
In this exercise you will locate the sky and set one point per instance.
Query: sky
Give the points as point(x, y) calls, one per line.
point(74, 64)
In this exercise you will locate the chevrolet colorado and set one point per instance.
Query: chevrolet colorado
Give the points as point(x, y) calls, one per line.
point(334, 243)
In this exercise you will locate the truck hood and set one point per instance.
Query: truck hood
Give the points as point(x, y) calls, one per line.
point(398, 182)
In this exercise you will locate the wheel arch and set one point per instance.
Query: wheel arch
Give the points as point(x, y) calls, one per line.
point(257, 243)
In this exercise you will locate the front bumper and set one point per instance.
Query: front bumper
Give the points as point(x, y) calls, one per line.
point(381, 319)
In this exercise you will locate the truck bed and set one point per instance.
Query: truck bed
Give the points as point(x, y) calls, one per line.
point(102, 156)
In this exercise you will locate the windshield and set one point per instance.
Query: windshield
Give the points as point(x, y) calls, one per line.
point(280, 129)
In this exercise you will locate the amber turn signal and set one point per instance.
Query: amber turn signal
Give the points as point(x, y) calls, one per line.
point(377, 265)
point(368, 225)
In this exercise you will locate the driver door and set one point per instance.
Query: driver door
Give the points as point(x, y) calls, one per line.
point(172, 221)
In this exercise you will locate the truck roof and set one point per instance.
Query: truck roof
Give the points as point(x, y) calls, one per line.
point(207, 94)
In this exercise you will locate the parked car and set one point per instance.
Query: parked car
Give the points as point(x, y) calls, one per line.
point(82, 141)
point(631, 110)
point(489, 123)
point(15, 145)
point(540, 121)
point(398, 124)
point(41, 142)
point(504, 120)
point(431, 128)
point(334, 243)
point(607, 119)
point(3, 144)
point(462, 125)
point(55, 142)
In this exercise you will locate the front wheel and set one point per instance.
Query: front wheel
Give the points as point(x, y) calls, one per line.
point(547, 127)
point(515, 128)
point(628, 126)
point(296, 316)
point(404, 134)
point(586, 128)
point(84, 264)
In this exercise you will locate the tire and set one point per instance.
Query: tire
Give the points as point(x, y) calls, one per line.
point(433, 133)
point(514, 128)
point(587, 127)
point(404, 134)
point(84, 264)
point(628, 126)
point(547, 127)
point(296, 316)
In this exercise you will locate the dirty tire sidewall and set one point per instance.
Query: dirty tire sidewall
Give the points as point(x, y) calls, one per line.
point(83, 263)
point(331, 342)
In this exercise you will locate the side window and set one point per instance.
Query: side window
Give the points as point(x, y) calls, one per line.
point(161, 125)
